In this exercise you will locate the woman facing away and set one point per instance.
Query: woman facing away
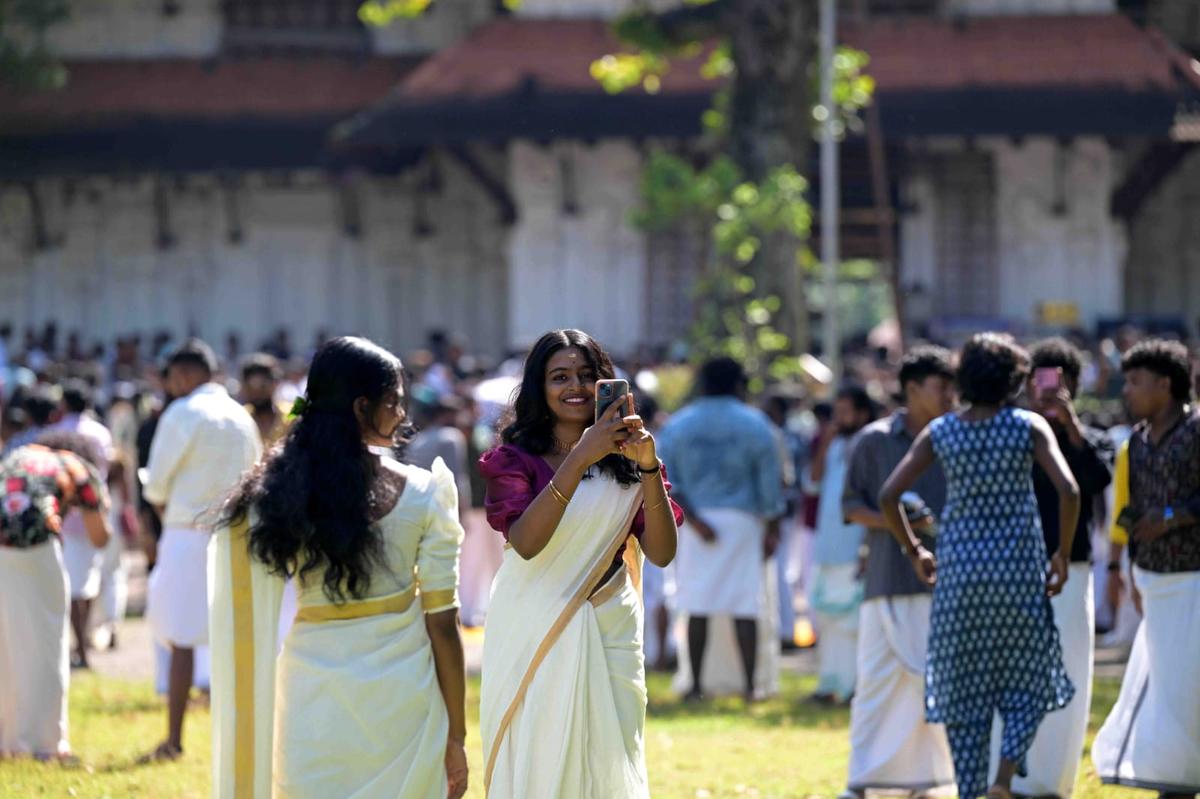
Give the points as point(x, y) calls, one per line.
point(370, 692)
point(563, 699)
point(993, 645)
point(39, 484)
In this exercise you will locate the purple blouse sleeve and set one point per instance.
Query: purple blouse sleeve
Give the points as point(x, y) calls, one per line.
point(639, 521)
point(510, 486)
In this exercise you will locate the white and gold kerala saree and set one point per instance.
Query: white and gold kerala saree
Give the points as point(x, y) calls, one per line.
point(563, 703)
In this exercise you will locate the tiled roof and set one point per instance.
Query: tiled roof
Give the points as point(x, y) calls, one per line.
point(278, 87)
point(1082, 51)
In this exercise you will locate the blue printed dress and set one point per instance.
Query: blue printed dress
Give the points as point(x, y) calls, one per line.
point(993, 645)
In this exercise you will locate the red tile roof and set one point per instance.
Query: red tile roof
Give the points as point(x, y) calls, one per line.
point(102, 92)
point(1081, 51)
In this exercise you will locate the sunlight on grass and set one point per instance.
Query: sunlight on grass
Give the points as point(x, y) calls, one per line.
point(780, 748)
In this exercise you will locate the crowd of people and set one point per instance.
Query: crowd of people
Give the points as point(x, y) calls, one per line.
point(941, 521)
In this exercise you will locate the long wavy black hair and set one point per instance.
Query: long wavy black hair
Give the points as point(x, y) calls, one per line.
point(312, 496)
point(530, 424)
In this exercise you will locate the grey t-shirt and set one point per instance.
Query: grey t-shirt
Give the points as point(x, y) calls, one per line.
point(876, 451)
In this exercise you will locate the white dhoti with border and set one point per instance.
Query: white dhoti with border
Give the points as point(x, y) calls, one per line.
point(891, 744)
point(1053, 759)
point(1151, 738)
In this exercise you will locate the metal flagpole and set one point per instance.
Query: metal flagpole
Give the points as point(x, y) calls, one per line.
point(830, 194)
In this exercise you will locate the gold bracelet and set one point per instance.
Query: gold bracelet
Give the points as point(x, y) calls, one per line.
point(560, 496)
point(661, 502)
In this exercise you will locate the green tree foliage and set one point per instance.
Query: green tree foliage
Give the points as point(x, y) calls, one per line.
point(740, 310)
point(25, 61)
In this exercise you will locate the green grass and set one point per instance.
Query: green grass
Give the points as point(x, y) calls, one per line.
point(781, 748)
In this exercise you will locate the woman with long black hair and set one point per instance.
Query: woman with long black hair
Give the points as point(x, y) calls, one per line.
point(563, 700)
point(369, 701)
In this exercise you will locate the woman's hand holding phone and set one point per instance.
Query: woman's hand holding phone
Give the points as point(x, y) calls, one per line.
point(639, 446)
point(605, 437)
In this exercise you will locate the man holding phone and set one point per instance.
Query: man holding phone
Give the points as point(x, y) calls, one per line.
point(1053, 382)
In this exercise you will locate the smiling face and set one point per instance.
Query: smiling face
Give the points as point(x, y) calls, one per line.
point(570, 386)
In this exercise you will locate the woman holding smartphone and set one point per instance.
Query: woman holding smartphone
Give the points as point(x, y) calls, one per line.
point(579, 498)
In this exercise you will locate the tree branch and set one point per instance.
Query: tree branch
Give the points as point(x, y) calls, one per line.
point(679, 27)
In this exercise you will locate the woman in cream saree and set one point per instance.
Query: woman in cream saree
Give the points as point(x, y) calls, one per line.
point(368, 693)
point(563, 698)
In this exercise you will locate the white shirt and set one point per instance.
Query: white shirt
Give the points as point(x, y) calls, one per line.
point(203, 444)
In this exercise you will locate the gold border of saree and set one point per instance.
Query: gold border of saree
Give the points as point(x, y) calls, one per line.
point(556, 629)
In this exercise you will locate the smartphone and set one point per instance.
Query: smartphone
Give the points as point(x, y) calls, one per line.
point(1127, 518)
point(608, 392)
point(1047, 380)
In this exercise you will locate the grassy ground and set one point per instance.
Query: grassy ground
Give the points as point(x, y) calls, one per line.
point(780, 748)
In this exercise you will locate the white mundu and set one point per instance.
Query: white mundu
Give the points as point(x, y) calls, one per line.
point(34, 640)
point(1151, 738)
point(203, 444)
point(1053, 759)
point(891, 744)
point(563, 700)
point(359, 713)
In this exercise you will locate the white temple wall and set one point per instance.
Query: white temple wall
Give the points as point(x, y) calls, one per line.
point(295, 267)
point(586, 269)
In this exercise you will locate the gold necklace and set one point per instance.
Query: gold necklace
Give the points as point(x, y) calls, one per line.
point(562, 449)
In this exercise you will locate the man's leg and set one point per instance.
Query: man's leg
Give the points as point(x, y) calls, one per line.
point(80, 611)
point(697, 643)
point(179, 685)
point(747, 638)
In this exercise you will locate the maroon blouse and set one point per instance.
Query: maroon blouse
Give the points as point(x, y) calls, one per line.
point(515, 478)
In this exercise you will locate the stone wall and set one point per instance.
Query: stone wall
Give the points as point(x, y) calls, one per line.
point(1053, 237)
point(138, 29)
point(575, 259)
point(999, 7)
point(295, 266)
point(1163, 272)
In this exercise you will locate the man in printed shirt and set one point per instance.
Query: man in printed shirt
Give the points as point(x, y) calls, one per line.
point(724, 465)
point(204, 442)
point(1152, 737)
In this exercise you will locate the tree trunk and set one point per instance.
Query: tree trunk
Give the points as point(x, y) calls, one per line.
point(774, 46)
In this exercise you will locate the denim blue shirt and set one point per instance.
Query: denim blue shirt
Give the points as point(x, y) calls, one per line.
point(722, 453)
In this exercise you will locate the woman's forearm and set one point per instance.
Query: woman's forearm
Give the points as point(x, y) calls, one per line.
point(450, 666)
point(661, 537)
point(1068, 518)
point(529, 534)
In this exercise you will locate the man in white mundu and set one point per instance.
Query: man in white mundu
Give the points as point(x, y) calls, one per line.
point(724, 464)
point(1151, 738)
point(1053, 759)
point(204, 442)
point(891, 744)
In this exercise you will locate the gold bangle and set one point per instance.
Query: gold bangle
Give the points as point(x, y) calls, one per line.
point(560, 496)
point(661, 502)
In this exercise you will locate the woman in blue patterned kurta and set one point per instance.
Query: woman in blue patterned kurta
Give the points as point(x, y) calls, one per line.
point(993, 644)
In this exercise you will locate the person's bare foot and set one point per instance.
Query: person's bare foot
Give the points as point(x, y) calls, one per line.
point(999, 792)
point(164, 752)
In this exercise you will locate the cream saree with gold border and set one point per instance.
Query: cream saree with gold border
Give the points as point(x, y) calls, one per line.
point(563, 703)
